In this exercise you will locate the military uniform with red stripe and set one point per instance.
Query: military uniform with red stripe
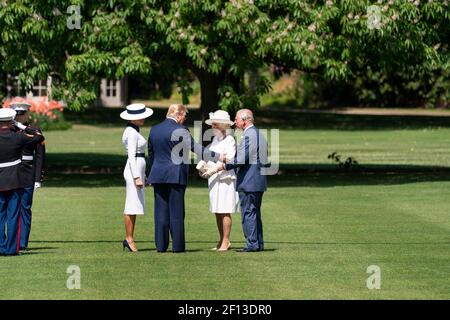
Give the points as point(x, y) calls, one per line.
point(12, 182)
point(32, 170)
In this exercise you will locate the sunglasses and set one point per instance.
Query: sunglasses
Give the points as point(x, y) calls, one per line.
point(20, 113)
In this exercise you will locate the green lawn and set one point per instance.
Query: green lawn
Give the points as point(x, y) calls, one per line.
point(99, 146)
point(323, 228)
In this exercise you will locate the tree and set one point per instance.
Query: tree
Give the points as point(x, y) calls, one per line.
point(219, 41)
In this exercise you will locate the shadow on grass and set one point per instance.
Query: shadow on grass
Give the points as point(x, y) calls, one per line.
point(108, 117)
point(212, 243)
point(294, 120)
point(276, 118)
point(116, 241)
point(85, 162)
point(33, 253)
point(289, 176)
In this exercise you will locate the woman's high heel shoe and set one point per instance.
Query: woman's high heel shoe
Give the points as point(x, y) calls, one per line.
point(127, 245)
point(228, 248)
point(216, 247)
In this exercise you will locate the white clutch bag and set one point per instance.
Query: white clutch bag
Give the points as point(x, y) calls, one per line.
point(202, 167)
point(206, 170)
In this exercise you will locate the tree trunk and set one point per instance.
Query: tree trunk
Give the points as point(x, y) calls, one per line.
point(253, 77)
point(209, 86)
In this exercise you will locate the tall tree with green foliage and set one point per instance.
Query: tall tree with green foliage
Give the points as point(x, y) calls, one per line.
point(218, 41)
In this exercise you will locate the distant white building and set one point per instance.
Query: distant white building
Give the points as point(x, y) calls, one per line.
point(113, 93)
point(41, 89)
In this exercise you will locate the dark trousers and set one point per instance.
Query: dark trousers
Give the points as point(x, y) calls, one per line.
point(10, 221)
point(251, 219)
point(25, 216)
point(169, 216)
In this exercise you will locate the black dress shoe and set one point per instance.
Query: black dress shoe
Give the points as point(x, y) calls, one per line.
point(126, 245)
point(10, 254)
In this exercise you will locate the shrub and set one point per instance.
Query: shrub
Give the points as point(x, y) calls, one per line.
point(47, 115)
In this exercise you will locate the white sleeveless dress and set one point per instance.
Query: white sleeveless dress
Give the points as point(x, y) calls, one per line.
point(134, 143)
point(223, 197)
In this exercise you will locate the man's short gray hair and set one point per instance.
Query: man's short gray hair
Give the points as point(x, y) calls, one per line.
point(246, 114)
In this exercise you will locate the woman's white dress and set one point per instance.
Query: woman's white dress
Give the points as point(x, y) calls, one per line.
point(134, 143)
point(223, 197)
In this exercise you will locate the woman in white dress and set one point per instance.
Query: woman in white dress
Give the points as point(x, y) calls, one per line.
point(134, 172)
point(223, 198)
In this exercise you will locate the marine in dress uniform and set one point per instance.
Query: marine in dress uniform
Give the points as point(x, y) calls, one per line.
point(31, 169)
point(11, 181)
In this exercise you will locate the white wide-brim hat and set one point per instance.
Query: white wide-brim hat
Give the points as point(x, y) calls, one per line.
point(20, 106)
point(7, 114)
point(220, 116)
point(136, 111)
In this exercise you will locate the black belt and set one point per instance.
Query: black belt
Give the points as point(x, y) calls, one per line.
point(140, 155)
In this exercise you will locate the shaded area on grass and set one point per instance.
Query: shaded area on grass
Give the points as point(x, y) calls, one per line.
point(277, 118)
point(291, 176)
point(93, 163)
point(85, 162)
point(242, 242)
point(108, 117)
point(295, 119)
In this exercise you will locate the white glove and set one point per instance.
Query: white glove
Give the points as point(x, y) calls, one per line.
point(37, 185)
point(19, 125)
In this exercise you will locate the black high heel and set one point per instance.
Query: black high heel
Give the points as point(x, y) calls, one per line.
point(127, 245)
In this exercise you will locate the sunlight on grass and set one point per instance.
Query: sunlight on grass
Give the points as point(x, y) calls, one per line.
point(322, 230)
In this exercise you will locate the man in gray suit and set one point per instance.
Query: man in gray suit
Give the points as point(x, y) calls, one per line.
point(250, 162)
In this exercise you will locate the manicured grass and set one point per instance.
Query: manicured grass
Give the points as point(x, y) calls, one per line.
point(320, 239)
point(322, 228)
point(92, 146)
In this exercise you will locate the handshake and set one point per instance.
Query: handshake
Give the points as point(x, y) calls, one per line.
point(208, 169)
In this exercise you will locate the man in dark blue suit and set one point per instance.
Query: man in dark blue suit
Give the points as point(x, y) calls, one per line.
point(250, 162)
point(169, 144)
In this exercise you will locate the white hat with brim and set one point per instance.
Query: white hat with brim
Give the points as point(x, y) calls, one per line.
point(136, 111)
point(7, 114)
point(20, 106)
point(220, 116)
